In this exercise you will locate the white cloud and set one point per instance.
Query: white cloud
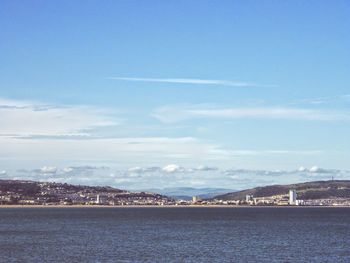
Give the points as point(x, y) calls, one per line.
point(193, 81)
point(176, 175)
point(173, 168)
point(82, 169)
point(48, 169)
point(30, 130)
point(68, 169)
point(315, 169)
point(180, 113)
point(302, 169)
point(22, 119)
point(323, 100)
point(318, 170)
point(72, 174)
point(126, 151)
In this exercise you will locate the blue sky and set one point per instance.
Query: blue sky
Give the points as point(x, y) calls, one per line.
point(175, 93)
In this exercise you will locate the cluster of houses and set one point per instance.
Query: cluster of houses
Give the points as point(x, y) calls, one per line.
point(289, 199)
point(63, 194)
point(46, 193)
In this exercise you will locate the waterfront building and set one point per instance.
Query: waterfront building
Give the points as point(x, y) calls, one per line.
point(101, 199)
point(292, 197)
point(195, 199)
point(248, 198)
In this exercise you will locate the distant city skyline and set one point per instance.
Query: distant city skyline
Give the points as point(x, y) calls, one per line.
point(160, 94)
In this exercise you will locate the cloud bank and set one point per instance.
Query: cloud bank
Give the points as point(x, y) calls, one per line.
point(173, 175)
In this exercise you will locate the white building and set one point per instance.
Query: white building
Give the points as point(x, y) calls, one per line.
point(101, 200)
point(249, 198)
point(292, 197)
point(195, 199)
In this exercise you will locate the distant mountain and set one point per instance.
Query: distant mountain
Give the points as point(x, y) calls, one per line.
point(186, 193)
point(305, 191)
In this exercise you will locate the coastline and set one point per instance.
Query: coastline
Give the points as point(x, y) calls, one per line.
point(162, 206)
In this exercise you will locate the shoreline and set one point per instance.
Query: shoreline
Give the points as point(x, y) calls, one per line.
point(161, 206)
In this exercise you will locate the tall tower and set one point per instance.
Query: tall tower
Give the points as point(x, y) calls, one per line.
point(292, 197)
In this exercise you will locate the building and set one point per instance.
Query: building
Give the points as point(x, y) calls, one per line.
point(292, 197)
point(249, 198)
point(195, 199)
point(101, 200)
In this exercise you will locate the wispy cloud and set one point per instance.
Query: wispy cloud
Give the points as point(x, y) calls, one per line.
point(110, 150)
point(22, 119)
point(194, 81)
point(179, 113)
point(345, 98)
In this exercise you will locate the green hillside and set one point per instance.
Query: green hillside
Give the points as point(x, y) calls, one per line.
point(308, 190)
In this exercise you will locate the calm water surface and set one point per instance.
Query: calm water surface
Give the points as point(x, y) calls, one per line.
point(175, 235)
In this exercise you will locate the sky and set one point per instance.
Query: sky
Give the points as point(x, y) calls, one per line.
point(154, 94)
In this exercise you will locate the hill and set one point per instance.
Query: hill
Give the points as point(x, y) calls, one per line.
point(306, 191)
point(30, 188)
point(31, 192)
